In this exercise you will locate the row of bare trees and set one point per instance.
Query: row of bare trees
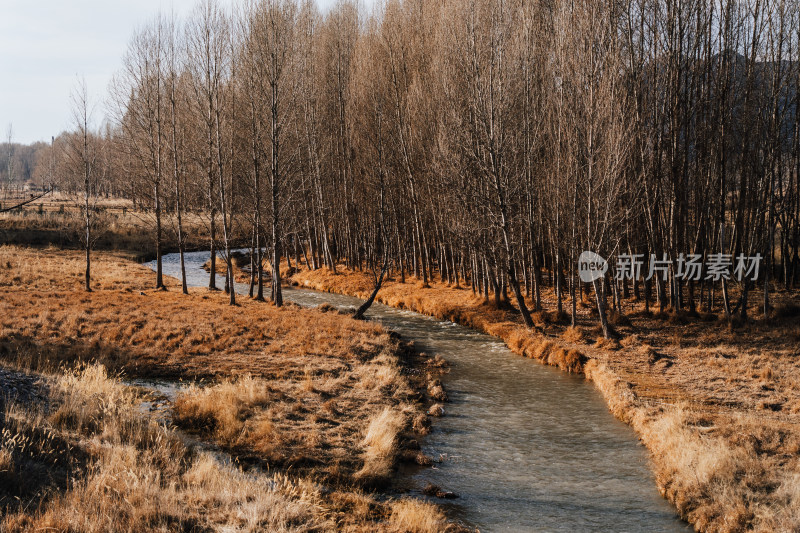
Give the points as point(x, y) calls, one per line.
point(486, 142)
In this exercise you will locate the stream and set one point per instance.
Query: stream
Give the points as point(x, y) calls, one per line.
point(527, 447)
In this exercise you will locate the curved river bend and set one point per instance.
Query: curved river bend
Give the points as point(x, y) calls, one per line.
point(527, 447)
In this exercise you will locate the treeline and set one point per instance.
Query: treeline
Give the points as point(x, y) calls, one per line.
point(486, 142)
point(18, 163)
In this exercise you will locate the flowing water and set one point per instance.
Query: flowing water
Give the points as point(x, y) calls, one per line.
point(527, 447)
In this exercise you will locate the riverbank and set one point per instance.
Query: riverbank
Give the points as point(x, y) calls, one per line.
point(718, 409)
point(323, 403)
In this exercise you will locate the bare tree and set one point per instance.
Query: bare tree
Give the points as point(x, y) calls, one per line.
point(274, 27)
point(488, 142)
point(207, 50)
point(140, 97)
point(173, 62)
point(10, 161)
point(81, 153)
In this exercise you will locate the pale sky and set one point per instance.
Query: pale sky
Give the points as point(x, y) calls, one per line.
point(45, 45)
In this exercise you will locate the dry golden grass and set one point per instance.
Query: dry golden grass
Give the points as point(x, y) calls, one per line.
point(131, 474)
point(719, 409)
point(223, 409)
point(414, 516)
point(128, 326)
point(310, 385)
point(57, 220)
point(6, 465)
point(92, 461)
point(380, 443)
point(573, 334)
point(317, 432)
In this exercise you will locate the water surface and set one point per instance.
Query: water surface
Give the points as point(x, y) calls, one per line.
point(527, 447)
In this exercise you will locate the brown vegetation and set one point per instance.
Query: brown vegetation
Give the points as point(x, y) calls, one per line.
point(127, 326)
point(719, 409)
point(417, 517)
point(319, 395)
point(56, 220)
point(131, 473)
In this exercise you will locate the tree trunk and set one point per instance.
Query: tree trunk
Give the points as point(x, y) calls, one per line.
point(601, 310)
point(359, 314)
point(159, 273)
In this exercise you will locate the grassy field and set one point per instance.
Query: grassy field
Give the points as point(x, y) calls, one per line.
point(57, 220)
point(717, 406)
point(315, 408)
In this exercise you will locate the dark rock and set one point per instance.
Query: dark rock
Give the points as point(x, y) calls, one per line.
point(437, 491)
